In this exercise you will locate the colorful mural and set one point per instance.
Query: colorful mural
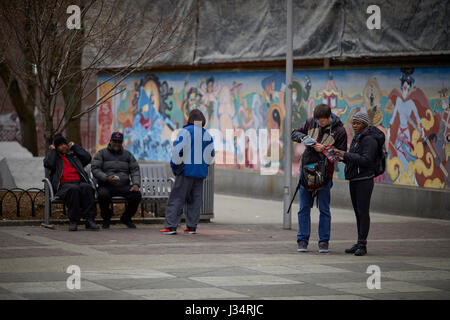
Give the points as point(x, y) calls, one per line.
point(411, 105)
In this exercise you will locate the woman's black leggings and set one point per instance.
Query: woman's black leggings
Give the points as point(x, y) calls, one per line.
point(360, 192)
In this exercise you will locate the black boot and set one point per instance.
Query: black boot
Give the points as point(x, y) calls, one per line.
point(91, 225)
point(352, 249)
point(361, 251)
point(106, 223)
point(127, 222)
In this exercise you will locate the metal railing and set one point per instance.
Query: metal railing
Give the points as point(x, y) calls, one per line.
point(18, 198)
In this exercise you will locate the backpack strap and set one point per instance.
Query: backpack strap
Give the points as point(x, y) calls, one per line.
point(314, 196)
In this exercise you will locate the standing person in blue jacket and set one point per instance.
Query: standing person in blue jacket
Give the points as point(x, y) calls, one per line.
point(193, 152)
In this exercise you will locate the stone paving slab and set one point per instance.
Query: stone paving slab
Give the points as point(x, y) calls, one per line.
point(211, 272)
point(186, 294)
point(437, 284)
point(143, 284)
point(388, 266)
point(229, 281)
point(317, 278)
point(125, 274)
point(32, 277)
point(407, 296)
point(7, 240)
point(298, 269)
point(48, 286)
point(298, 289)
point(386, 287)
point(34, 252)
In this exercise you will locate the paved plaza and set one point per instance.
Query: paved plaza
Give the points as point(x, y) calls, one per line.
point(244, 253)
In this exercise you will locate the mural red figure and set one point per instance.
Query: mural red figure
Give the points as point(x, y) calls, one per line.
point(105, 119)
point(412, 112)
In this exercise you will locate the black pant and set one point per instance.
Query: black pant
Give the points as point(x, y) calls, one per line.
point(76, 195)
point(105, 193)
point(361, 192)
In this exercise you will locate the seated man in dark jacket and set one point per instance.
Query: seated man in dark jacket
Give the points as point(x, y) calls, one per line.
point(71, 183)
point(114, 167)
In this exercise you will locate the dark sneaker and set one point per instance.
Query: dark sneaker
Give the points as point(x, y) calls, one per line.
point(302, 246)
point(91, 225)
point(73, 226)
point(323, 247)
point(352, 249)
point(361, 251)
point(128, 223)
point(190, 230)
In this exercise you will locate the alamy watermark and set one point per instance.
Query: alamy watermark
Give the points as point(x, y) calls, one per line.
point(74, 280)
point(74, 20)
point(238, 147)
point(374, 280)
point(374, 20)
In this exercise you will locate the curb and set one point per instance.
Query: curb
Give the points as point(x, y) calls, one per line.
point(15, 223)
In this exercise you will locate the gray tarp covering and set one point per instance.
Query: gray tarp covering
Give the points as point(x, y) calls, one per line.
point(407, 28)
point(166, 32)
point(255, 30)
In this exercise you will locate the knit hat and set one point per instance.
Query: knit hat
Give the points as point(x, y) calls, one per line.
point(59, 140)
point(362, 116)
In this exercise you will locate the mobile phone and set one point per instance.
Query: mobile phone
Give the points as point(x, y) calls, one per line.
point(308, 141)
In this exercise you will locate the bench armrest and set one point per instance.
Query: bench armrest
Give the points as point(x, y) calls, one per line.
point(50, 188)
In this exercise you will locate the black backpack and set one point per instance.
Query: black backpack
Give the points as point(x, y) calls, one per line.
point(315, 175)
point(380, 164)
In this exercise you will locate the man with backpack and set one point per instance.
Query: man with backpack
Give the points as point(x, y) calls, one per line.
point(322, 134)
point(365, 160)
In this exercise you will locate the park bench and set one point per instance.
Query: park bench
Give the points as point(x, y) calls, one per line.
point(155, 186)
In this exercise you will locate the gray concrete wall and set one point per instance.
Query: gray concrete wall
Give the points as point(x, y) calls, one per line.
point(389, 199)
point(18, 167)
point(6, 179)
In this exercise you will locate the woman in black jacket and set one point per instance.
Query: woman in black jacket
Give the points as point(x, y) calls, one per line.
point(360, 164)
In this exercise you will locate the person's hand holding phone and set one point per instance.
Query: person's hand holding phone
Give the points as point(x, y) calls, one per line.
point(318, 147)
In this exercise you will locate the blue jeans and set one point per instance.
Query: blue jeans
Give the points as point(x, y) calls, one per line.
point(304, 214)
